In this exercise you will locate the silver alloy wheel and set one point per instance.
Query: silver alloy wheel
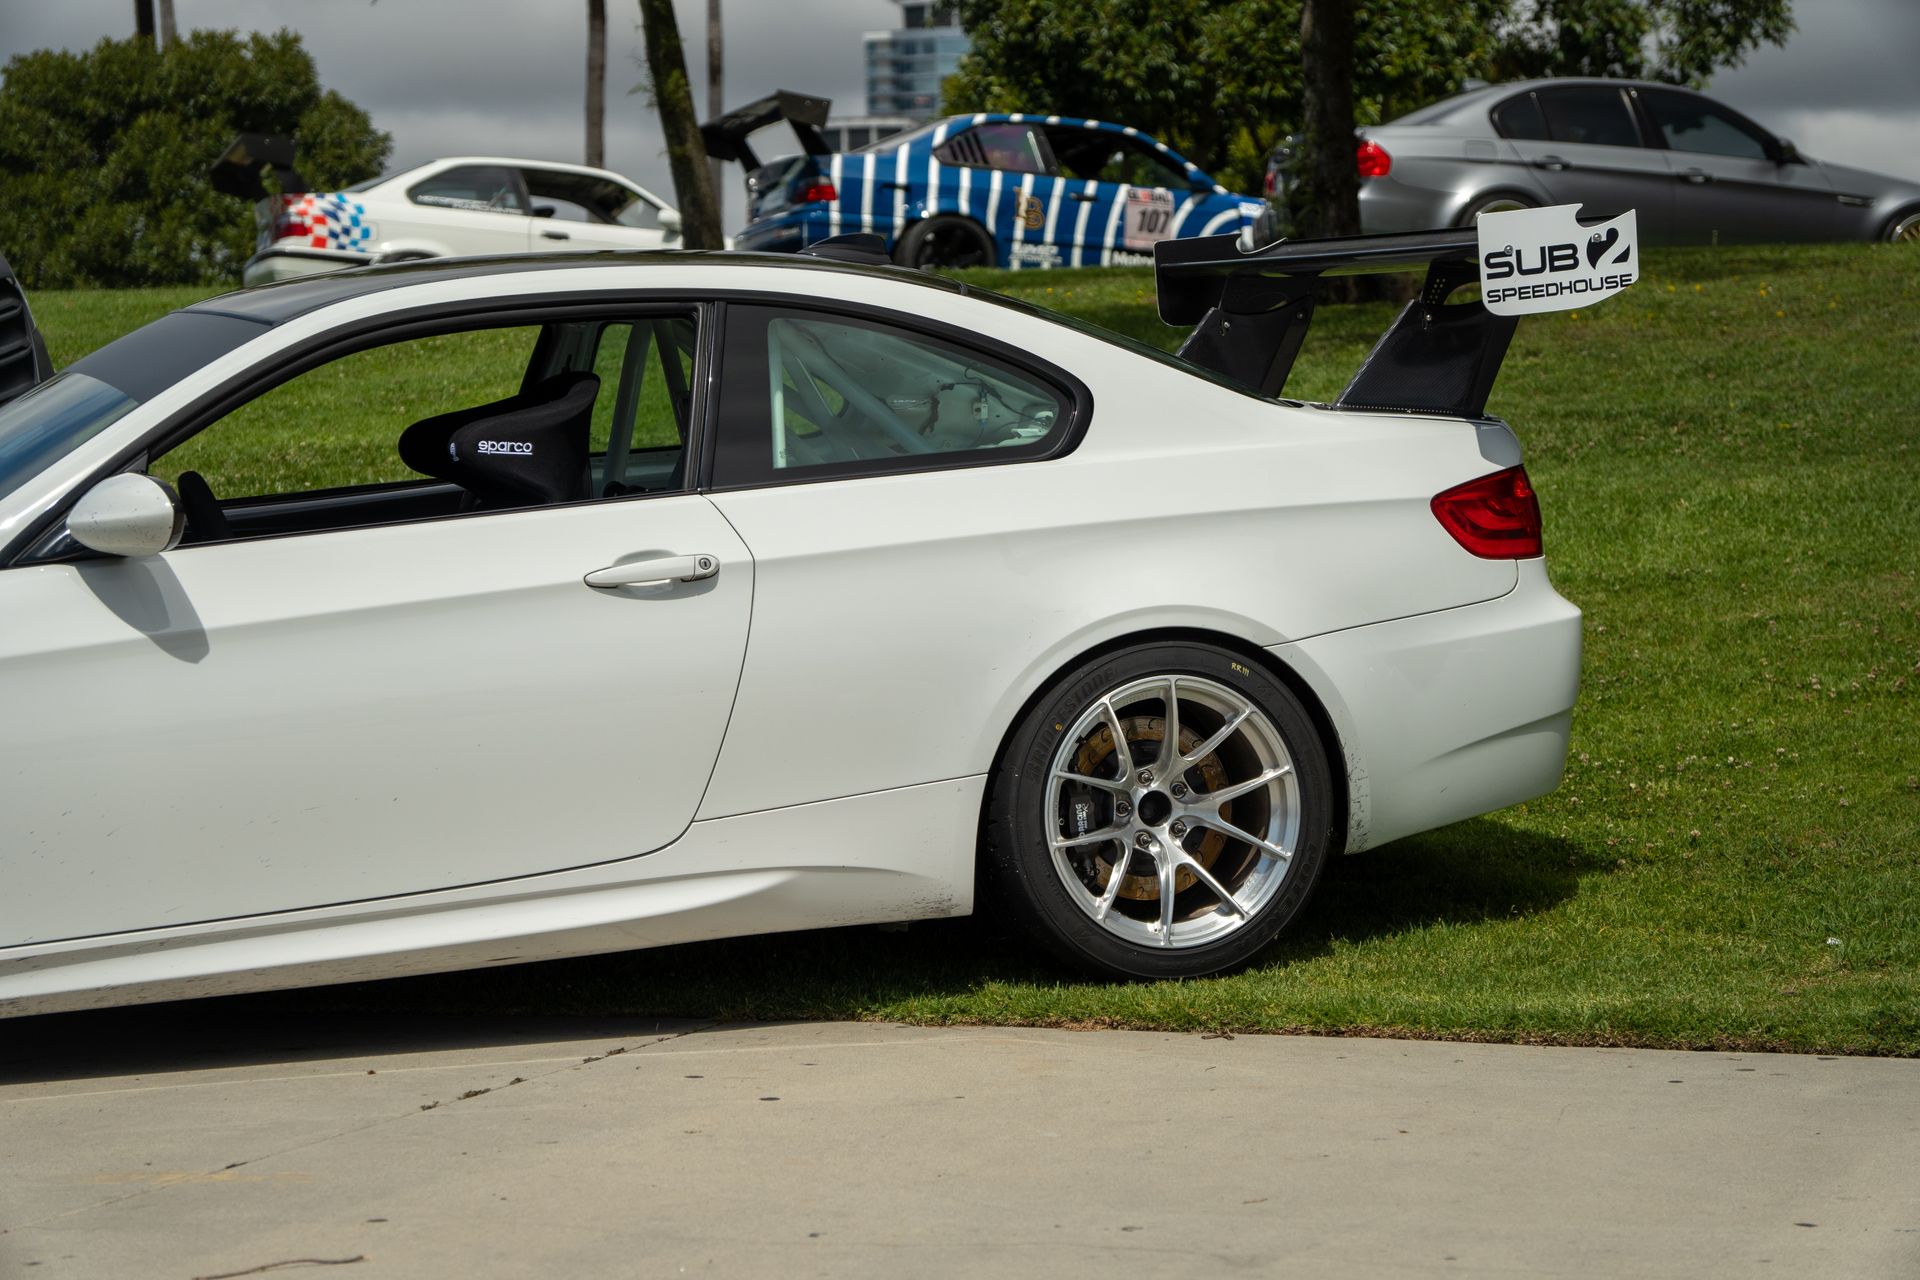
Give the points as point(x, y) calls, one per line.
point(1906, 230)
point(1183, 833)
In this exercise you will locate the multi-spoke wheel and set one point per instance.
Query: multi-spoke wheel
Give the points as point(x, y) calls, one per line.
point(1905, 227)
point(1163, 813)
point(945, 241)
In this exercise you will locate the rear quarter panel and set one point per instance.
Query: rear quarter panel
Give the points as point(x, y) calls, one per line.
point(901, 621)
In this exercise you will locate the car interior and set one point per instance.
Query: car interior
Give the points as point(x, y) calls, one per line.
point(601, 409)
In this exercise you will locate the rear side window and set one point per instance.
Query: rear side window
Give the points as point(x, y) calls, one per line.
point(1014, 147)
point(822, 396)
point(1591, 115)
point(1694, 124)
point(480, 187)
point(1520, 119)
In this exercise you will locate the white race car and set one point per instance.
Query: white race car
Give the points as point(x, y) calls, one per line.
point(471, 613)
point(455, 207)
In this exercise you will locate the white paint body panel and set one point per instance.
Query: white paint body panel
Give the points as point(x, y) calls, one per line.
point(824, 712)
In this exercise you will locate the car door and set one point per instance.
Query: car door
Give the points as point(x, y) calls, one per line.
point(588, 212)
point(1731, 183)
point(471, 208)
point(1125, 194)
point(267, 723)
point(998, 172)
point(1595, 157)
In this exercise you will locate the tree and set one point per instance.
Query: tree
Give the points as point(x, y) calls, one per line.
point(169, 34)
point(1327, 189)
point(597, 83)
point(1679, 41)
point(686, 153)
point(110, 149)
point(716, 82)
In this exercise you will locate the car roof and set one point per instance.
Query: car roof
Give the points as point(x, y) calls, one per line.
point(1460, 103)
point(512, 162)
point(273, 304)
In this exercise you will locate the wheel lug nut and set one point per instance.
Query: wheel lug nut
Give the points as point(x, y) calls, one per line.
point(1179, 790)
point(1121, 809)
point(1143, 841)
point(1178, 828)
point(1146, 777)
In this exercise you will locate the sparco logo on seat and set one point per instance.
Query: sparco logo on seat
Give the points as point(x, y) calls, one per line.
point(507, 446)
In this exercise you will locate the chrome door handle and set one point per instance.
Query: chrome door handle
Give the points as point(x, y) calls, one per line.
point(1696, 176)
point(640, 573)
point(555, 235)
point(1555, 163)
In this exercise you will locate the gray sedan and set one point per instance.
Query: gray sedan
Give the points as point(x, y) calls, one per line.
point(1697, 172)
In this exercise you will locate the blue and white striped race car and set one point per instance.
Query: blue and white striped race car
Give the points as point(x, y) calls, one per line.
point(1009, 190)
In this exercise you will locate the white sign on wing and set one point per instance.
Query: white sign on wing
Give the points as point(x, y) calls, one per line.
point(1535, 260)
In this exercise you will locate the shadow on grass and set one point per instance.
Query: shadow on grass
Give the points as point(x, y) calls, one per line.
point(1472, 871)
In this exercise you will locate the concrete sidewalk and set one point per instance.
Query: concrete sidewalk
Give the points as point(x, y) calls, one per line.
point(533, 1148)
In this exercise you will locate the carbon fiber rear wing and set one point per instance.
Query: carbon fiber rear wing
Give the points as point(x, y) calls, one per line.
point(1251, 310)
point(726, 136)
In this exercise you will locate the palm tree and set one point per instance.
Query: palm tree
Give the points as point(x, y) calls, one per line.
point(597, 83)
point(686, 153)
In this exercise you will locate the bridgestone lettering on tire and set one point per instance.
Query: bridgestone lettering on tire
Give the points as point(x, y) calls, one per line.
point(1184, 849)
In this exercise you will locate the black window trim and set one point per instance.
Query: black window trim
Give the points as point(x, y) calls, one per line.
point(1050, 167)
point(384, 329)
point(1074, 393)
point(1493, 116)
point(519, 185)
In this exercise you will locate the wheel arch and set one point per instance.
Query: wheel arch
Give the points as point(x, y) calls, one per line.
point(1323, 722)
point(1505, 191)
point(1899, 215)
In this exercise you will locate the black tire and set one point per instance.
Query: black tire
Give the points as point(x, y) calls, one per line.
point(1027, 810)
point(1497, 201)
point(946, 241)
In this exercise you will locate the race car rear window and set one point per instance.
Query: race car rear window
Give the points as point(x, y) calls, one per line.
point(813, 395)
point(478, 187)
point(995, 146)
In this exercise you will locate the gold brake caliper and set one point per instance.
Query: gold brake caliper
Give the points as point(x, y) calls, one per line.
point(1095, 759)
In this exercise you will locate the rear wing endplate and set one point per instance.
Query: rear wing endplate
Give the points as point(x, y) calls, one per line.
point(726, 136)
point(238, 170)
point(1251, 311)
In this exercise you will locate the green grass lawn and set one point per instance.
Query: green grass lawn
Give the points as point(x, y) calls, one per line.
point(1728, 457)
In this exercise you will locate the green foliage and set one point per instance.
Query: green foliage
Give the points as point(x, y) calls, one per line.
point(1220, 80)
point(1680, 41)
point(104, 154)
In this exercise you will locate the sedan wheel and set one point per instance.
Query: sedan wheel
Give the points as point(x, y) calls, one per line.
point(1170, 816)
point(1905, 229)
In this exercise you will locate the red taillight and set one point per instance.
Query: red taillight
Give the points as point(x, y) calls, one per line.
point(817, 190)
point(1372, 160)
point(1496, 517)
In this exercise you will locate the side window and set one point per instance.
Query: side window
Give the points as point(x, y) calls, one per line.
point(479, 187)
point(483, 419)
point(1694, 124)
point(1006, 145)
point(818, 395)
point(1105, 156)
point(1593, 115)
point(1519, 118)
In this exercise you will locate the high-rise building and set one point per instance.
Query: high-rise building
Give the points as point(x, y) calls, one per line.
point(906, 65)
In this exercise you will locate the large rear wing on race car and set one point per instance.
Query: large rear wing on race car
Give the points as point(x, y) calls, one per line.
point(1250, 312)
point(726, 136)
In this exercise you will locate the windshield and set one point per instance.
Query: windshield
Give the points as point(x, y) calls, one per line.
point(51, 421)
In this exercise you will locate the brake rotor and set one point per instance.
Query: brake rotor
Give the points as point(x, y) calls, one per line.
point(1095, 760)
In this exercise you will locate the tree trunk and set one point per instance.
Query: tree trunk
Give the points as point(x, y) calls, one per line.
point(1328, 191)
point(686, 153)
point(168, 35)
point(597, 83)
point(716, 94)
point(143, 19)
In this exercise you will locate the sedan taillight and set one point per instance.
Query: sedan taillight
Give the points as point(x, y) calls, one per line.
point(1372, 160)
point(818, 190)
point(1496, 517)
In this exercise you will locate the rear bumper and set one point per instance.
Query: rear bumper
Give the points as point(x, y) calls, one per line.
point(284, 264)
point(1448, 715)
point(788, 232)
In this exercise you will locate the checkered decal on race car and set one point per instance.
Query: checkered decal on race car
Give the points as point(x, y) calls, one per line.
point(333, 221)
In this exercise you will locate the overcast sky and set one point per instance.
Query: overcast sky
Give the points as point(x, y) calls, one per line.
point(446, 77)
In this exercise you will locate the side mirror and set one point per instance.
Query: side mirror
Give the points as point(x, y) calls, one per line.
point(1786, 153)
point(543, 211)
point(670, 221)
point(130, 514)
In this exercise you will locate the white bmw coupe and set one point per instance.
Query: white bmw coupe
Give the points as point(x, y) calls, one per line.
point(474, 612)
